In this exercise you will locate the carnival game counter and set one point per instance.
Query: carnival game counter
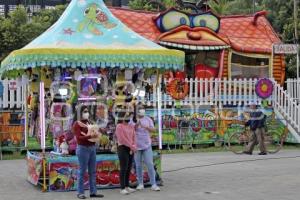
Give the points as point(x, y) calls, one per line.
point(59, 173)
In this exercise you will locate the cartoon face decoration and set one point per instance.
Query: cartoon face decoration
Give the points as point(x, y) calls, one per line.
point(174, 18)
point(95, 16)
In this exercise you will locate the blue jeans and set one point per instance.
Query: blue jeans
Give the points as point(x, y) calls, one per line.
point(87, 161)
point(146, 156)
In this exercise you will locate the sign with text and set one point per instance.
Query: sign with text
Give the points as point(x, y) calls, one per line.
point(285, 48)
point(13, 85)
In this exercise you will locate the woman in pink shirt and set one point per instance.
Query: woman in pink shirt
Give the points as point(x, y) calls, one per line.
point(125, 135)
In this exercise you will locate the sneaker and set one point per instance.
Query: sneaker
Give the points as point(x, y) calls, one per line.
point(262, 153)
point(155, 188)
point(124, 191)
point(96, 195)
point(130, 190)
point(247, 152)
point(81, 196)
point(140, 187)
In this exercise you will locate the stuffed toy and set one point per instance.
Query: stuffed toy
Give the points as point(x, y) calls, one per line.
point(64, 147)
point(34, 79)
point(57, 74)
point(46, 77)
point(92, 130)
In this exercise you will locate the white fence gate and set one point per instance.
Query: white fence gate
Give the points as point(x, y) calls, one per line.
point(14, 94)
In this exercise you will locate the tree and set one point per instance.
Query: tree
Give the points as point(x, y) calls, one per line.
point(10, 28)
point(221, 7)
point(280, 14)
point(18, 30)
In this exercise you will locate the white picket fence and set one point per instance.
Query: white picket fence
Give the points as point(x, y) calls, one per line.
point(201, 92)
point(293, 88)
point(216, 92)
point(14, 94)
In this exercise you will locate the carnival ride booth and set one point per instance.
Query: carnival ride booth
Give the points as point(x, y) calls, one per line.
point(238, 46)
point(88, 57)
point(222, 53)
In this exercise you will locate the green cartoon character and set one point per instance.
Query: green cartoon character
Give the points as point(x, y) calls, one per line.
point(93, 17)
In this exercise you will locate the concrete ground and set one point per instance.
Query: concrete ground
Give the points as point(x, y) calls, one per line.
point(189, 176)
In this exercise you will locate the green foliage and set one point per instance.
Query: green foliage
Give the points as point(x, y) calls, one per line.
point(169, 3)
point(143, 4)
point(10, 31)
point(18, 30)
point(221, 8)
point(137, 4)
point(280, 14)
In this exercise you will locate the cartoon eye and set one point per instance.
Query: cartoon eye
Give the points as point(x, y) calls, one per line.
point(98, 10)
point(206, 20)
point(174, 19)
point(86, 11)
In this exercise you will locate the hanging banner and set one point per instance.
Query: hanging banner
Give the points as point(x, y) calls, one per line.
point(34, 164)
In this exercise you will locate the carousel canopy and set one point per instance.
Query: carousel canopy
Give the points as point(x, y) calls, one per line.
point(88, 35)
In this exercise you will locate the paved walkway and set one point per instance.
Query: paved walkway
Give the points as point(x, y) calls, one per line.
point(189, 176)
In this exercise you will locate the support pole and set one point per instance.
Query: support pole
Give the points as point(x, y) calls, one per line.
point(26, 118)
point(42, 130)
point(42, 116)
point(297, 62)
point(159, 113)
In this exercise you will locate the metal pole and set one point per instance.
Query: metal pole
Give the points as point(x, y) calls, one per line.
point(159, 114)
point(6, 9)
point(297, 62)
point(42, 116)
point(42, 4)
point(26, 117)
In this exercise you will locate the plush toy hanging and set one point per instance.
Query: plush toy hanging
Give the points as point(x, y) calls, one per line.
point(34, 77)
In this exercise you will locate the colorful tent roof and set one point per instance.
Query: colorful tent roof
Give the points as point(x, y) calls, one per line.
point(88, 35)
point(240, 31)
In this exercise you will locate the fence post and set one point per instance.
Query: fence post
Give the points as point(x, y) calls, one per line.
point(201, 91)
point(196, 91)
point(239, 95)
point(245, 85)
point(191, 91)
point(234, 91)
point(229, 96)
point(206, 91)
point(211, 91)
point(224, 91)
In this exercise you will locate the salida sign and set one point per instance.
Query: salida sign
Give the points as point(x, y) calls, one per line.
point(285, 48)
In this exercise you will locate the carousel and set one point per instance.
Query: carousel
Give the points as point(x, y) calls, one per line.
point(88, 57)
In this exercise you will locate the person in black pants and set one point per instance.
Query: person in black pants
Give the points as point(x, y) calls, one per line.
point(125, 135)
point(257, 129)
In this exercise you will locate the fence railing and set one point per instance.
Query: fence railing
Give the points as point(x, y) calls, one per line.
point(215, 92)
point(287, 106)
point(13, 96)
point(293, 88)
